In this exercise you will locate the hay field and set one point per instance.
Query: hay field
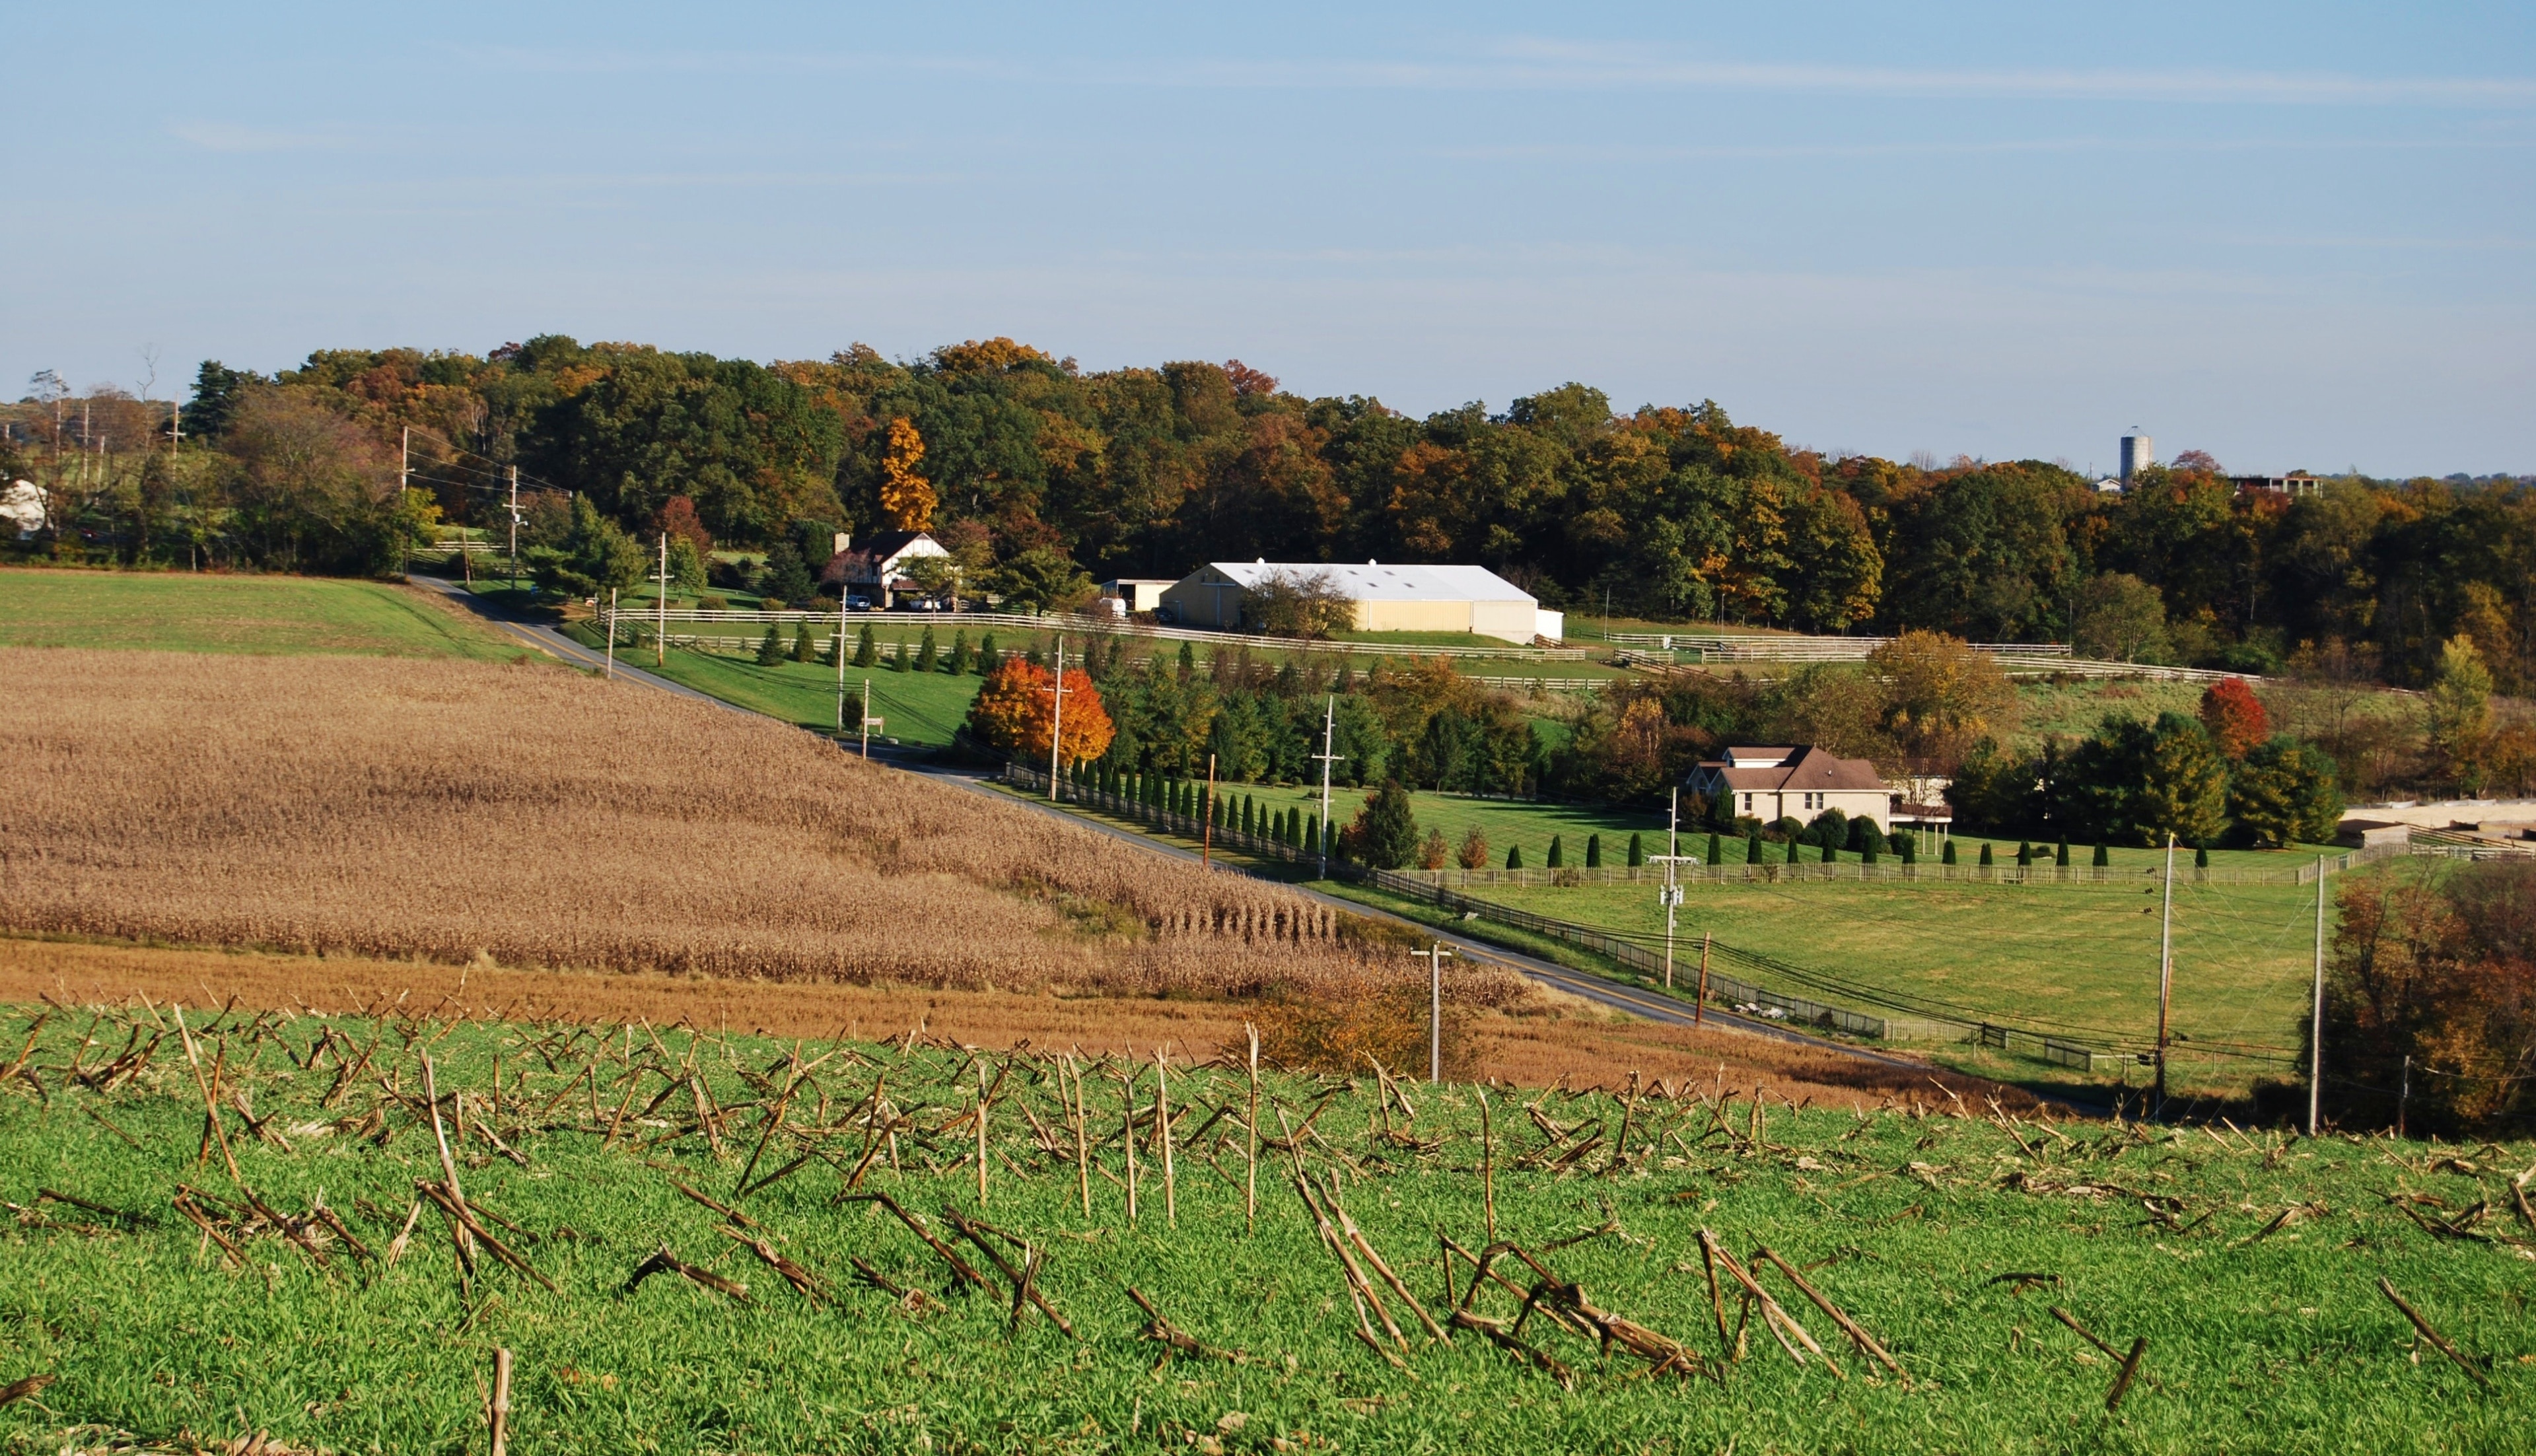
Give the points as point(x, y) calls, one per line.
point(454, 810)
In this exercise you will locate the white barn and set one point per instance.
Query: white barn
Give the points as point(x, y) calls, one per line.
point(1388, 598)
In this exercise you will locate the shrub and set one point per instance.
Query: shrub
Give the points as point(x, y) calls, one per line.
point(1637, 851)
point(1593, 851)
point(924, 656)
point(987, 655)
point(1830, 829)
point(771, 650)
point(1433, 851)
point(2104, 857)
point(1985, 855)
point(1866, 851)
point(1753, 847)
point(2061, 855)
point(1514, 856)
point(802, 652)
point(1716, 850)
point(1558, 853)
point(866, 648)
point(1948, 855)
point(1475, 850)
point(2200, 856)
point(1829, 855)
point(1908, 846)
point(2024, 853)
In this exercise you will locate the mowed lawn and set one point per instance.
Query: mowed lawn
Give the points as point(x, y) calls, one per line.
point(173, 611)
point(915, 707)
point(2075, 958)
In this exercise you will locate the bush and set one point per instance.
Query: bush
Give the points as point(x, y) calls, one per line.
point(1475, 850)
point(1948, 855)
point(1866, 851)
point(1829, 855)
point(924, 653)
point(1753, 847)
point(2024, 855)
point(1716, 850)
point(866, 648)
point(1830, 829)
point(1593, 851)
point(802, 652)
point(771, 650)
point(1514, 856)
point(2104, 857)
point(1984, 855)
point(1433, 851)
point(1637, 851)
point(1558, 853)
point(2061, 855)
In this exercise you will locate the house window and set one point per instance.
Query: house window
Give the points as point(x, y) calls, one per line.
point(1748, 803)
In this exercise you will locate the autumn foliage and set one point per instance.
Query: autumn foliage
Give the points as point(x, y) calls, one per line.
point(2440, 970)
point(905, 497)
point(1016, 709)
point(2234, 717)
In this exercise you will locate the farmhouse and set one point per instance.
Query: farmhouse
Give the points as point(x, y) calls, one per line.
point(875, 571)
point(1774, 783)
point(1386, 598)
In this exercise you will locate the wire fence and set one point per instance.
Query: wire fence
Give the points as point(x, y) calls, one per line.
point(1109, 627)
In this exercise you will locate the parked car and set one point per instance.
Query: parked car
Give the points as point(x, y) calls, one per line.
point(859, 603)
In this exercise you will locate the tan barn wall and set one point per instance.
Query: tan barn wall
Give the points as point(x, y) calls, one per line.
point(1413, 616)
point(1512, 621)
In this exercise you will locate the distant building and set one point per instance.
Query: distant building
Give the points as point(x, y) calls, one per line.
point(2109, 486)
point(1387, 598)
point(1136, 593)
point(1774, 783)
point(2294, 483)
point(875, 571)
point(22, 505)
point(2139, 451)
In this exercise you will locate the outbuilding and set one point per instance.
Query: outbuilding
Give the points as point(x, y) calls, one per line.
point(1385, 598)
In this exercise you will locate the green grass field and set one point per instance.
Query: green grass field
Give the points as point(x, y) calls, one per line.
point(2252, 1277)
point(186, 613)
point(915, 707)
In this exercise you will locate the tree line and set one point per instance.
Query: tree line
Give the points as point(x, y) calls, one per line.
point(1030, 465)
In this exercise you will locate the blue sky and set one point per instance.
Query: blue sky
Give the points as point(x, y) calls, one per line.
point(2289, 234)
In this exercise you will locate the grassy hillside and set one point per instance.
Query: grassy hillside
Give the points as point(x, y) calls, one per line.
point(170, 1300)
point(187, 613)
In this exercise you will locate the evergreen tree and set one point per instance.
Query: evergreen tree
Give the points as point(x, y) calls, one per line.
point(987, 655)
point(2201, 857)
point(1637, 851)
point(1984, 855)
point(1593, 851)
point(1514, 856)
point(1830, 855)
point(1909, 850)
point(1866, 851)
point(1385, 832)
point(961, 660)
point(801, 642)
point(787, 579)
point(866, 648)
point(924, 651)
point(1753, 845)
point(1715, 849)
point(771, 650)
point(1312, 834)
point(2061, 855)
point(2103, 859)
point(2024, 853)
point(1558, 853)
point(1948, 855)
point(1795, 846)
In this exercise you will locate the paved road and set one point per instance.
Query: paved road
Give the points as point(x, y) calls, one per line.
point(1614, 994)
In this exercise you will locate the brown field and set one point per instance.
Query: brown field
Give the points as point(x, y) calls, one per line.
point(452, 810)
point(1551, 1040)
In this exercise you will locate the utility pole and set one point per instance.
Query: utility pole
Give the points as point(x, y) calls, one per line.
point(2165, 973)
point(1056, 717)
point(1669, 895)
point(515, 528)
point(175, 426)
point(866, 722)
point(2316, 1026)
point(1434, 956)
point(405, 483)
point(661, 646)
point(1697, 1006)
point(839, 649)
point(1206, 835)
point(1329, 737)
point(612, 631)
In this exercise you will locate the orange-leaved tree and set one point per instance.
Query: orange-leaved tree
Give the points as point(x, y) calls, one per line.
point(905, 497)
point(1015, 710)
point(2234, 717)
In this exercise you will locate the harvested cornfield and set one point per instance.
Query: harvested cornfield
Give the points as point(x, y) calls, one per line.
point(456, 810)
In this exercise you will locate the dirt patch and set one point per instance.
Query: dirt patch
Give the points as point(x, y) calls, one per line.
point(1575, 1045)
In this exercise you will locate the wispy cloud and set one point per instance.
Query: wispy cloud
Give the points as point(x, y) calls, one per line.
point(1523, 64)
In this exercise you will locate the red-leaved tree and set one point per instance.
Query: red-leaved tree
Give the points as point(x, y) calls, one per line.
point(2234, 717)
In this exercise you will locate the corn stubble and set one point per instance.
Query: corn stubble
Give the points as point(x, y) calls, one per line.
point(452, 812)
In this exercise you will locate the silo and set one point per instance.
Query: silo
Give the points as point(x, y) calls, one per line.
point(2138, 453)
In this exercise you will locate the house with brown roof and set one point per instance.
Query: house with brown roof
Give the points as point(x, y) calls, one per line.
point(1772, 783)
point(875, 571)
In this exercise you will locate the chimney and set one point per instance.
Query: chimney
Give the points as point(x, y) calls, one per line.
point(845, 538)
